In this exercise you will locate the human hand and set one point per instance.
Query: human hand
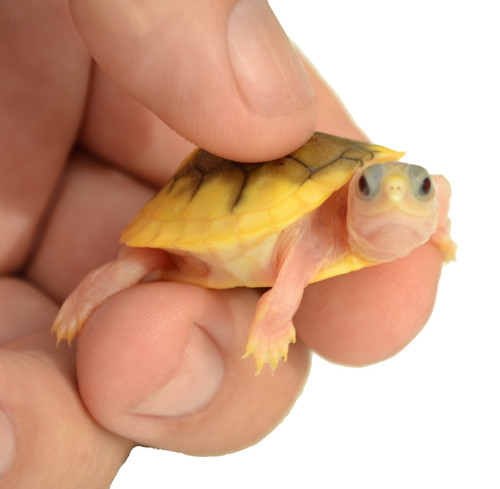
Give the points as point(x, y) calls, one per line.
point(159, 363)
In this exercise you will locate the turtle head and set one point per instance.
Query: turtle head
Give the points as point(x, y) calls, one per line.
point(392, 209)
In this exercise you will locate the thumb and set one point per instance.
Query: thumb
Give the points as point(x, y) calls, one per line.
point(223, 74)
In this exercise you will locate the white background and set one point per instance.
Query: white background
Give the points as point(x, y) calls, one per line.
point(422, 77)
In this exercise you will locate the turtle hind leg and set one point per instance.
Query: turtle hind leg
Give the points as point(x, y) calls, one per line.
point(131, 266)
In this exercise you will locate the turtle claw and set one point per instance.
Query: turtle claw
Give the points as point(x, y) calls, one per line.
point(441, 238)
point(69, 321)
point(269, 348)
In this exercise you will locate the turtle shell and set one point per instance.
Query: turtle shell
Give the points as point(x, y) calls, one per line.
point(212, 201)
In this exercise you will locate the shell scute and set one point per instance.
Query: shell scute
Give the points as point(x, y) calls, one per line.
point(250, 223)
point(269, 184)
point(220, 190)
point(172, 201)
point(223, 229)
point(149, 232)
point(194, 232)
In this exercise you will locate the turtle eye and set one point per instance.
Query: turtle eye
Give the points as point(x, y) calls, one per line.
point(422, 184)
point(425, 186)
point(363, 186)
point(369, 182)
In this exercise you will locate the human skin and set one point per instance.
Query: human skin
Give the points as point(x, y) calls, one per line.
point(83, 147)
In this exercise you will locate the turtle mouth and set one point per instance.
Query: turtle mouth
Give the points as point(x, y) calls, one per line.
point(396, 219)
point(398, 206)
point(389, 235)
point(388, 243)
point(395, 240)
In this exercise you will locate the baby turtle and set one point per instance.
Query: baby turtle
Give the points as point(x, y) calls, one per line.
point(333, 206)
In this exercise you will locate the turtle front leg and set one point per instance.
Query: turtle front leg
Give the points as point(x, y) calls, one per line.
point(441, 237)
point(270, 334)
point(131, 266)
point(272, 329)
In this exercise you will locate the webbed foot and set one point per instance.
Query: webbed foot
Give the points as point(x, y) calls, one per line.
point(269, 347)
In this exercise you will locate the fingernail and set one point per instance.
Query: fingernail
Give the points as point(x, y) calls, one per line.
point(266, 67)
point(193, 385)
point(7, 442)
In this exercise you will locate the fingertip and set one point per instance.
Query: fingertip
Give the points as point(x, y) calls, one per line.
point(143, 354)
point(232, 83)
point(192, 385)
point(267, 70)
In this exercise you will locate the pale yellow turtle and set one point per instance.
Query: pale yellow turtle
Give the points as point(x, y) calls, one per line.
point(333, 206)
